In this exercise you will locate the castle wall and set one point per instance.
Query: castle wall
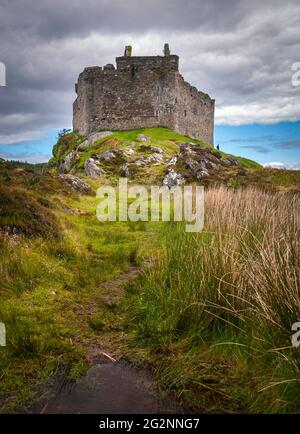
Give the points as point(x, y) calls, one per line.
point(141, 92)
point(194, 112)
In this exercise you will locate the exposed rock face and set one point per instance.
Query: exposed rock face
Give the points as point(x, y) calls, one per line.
point(156, 155)
point(141, 162)
point(141, 92)
point(155, 158)
point(128, 152)
point(97, 136)
point(68, 161)
point(173, 178)
point(153, 149)
point(126, 170)
point(92, 169)
point(191, 162)
point(202, 162)
point(93, 138)
point(172, 161)
point(198, 170)
point(107, 156)
point(230, 160)
point(83, 145)
point(78, 184)
point(151, 159)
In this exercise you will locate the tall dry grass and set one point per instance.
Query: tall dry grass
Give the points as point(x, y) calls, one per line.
point(237, 283)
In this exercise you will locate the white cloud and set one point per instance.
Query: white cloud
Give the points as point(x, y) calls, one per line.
point(26, 136)
point(28, 157)
point(271, 111)
point(279, 165)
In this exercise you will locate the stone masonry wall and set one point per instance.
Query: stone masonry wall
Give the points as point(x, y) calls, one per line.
point(141, 92)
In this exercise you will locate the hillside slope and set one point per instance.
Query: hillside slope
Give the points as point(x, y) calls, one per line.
point(56, 257)
point(146, 155)
point(161, 156)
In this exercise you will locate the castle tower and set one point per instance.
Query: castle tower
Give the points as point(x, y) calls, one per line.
point(141, 91)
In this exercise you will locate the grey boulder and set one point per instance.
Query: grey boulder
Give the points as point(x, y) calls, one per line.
point(68, 161)
point(107, 156)
point(77, 184)
point(173, 178)
point(98, 136)
point(92, 169)
point(143, 138)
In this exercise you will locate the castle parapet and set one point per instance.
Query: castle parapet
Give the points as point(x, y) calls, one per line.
point(168, 63)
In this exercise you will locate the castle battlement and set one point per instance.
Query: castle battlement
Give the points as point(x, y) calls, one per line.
point(141, 91)
point(168, 63)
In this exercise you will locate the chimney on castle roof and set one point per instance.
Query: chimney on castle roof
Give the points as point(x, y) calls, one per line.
point(128, 51)
point(167, 50)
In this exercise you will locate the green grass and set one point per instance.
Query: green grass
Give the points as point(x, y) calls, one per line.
point(250, 173)
point(162, 137)
point(213, 315)
point(250, 164)
point(50, 281)
point(180, 315)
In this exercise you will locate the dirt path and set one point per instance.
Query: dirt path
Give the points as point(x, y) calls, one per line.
point(110, 386)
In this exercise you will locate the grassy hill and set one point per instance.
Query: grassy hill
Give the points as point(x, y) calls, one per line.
point(130, 150)
point(211, 314)
point(245, 172)
point(55, 255)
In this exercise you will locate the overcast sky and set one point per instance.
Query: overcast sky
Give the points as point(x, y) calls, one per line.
point(240, 52)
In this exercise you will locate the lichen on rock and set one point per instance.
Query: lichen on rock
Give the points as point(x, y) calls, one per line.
point(173, 178)
point(92, 169)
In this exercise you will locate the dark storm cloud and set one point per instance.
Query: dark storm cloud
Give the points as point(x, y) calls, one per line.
point(239, 51)
point(52, 19)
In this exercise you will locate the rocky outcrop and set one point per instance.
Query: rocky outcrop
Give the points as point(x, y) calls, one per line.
point(201, 162)
point(97, 136)
point(173, 178)
point(152, 155)
point(128, 152)
point(155, 158)
point(197, 162)
point(198, 169)
point(153, 149)
point(143, 138)
point(191, 162)
point(68, 162)
point(126, 171)
point(93, 138)
point(77, 184)
point(230, 161)
point(151, 159)
point(172, 161)
point(107, 156)
point(92, 169)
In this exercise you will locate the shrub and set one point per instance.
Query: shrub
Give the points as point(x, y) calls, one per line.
point(22, 213)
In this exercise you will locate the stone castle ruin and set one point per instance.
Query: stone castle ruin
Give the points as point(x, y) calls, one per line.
point(141, 92)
